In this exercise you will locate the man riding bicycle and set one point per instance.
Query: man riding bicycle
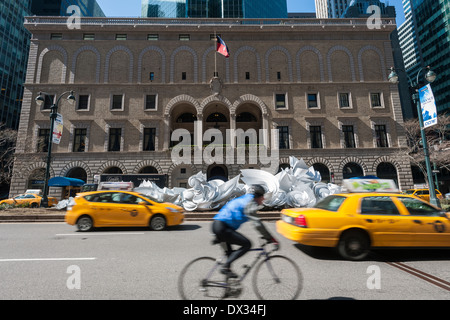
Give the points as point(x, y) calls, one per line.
point(231, 217)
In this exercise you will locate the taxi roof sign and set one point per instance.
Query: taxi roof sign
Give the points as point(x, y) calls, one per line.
point(370, 185)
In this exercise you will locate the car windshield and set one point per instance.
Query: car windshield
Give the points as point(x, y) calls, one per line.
point(330, 203)
point(150, 198)
point(409, 191)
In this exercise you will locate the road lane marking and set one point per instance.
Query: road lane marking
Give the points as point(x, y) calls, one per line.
point(47, 259)
point(99, 234)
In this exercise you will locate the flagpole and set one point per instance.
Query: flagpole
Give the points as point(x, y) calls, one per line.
point(215, 55)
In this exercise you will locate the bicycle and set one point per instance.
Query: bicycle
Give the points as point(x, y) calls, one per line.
point(275, 277)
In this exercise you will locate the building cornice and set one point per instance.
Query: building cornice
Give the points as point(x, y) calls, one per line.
point(189, 25)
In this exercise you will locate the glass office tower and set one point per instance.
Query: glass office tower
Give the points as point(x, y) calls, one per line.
point(164, 8)
point(88, 8)
point(14, 47)
point(14, 40)
point(214, 8)
point(433, 36)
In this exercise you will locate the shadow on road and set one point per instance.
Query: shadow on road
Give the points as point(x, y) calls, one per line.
point(183, 227)
point(381, 254)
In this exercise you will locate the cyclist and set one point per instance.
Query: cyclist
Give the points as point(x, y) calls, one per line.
point(231, 217)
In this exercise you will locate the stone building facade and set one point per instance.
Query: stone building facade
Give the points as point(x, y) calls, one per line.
point(321, 84)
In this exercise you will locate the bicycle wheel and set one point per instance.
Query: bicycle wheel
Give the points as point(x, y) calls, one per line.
point(277, 278)
point(201, 279)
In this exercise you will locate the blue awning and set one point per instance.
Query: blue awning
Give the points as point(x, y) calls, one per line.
point(65, 182)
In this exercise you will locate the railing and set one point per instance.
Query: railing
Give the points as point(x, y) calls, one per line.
point(209, 21)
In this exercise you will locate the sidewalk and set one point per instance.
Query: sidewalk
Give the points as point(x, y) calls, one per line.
point(52, 215)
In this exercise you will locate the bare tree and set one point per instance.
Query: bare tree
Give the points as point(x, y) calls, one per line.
point(439, 147)
point(8, 138)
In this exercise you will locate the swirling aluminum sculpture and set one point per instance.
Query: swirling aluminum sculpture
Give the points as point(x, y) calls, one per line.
point(293, 187)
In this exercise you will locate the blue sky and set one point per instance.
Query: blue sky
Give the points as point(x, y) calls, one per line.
point(132, 8)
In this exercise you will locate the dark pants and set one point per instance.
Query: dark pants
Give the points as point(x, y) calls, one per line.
point(226, 234)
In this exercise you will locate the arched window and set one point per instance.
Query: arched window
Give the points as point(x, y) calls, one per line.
point(324, 172)
point(149, 170)
point(352, 170)
point(246, 117)
point(386, 170)
point(187, 118)
point(216, 117)
point(77, 173)
point(113, 170)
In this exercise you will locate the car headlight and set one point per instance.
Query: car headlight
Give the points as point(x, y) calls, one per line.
point(171, 209)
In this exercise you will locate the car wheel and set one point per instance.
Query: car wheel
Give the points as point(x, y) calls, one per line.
point(85, 224)
point(34, 205)
point(354, 245)
point(158, 223)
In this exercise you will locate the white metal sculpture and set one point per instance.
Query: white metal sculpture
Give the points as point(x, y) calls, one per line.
point(293, 187)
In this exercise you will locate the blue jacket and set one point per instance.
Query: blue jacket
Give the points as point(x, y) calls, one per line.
point(233, 212)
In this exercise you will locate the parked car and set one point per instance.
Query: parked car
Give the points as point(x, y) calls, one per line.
point(424, 194)
point(33, 199)
point(113, 208)
point(356, 222)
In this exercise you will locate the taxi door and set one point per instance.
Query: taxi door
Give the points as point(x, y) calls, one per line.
point(101, 210)
point(128, 212)
point(387, 226)
point(430, 228)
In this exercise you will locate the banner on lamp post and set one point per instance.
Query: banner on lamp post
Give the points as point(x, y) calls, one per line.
point(428, 105)
point(58, 129)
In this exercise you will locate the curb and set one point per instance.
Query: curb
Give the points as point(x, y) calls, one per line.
point(191, 216)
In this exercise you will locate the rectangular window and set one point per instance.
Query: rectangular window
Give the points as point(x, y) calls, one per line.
point(88, 36)
point(312, 100)
point(42, 144)
point(278, 75)
point(121, 37)
point(49, 100)
point(183, 76)
point(381, 136)
point(150, 102)
point(375, 100)
point(283, 132)
point(149, 139)
point(117, 102)
point(247, 76)
point(83, 102)
point(115, 135)
point(378, 205)
point(152, 76)
point(280, 101)
point(79, 140)
point(316, 137)
point(344, 100)
point(56, 36)
point(184, 37)
point(153, 37)
point(349, 137)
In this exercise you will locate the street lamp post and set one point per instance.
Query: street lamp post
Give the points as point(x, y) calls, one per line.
point(53, 115)
point(430, 76)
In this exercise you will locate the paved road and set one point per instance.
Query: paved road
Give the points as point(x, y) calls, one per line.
point(40, 261)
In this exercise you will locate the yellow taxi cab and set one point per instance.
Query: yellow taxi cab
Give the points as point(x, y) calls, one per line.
point(31, 199)
point(424, 194)
point(111, 208)
point(356, 222)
